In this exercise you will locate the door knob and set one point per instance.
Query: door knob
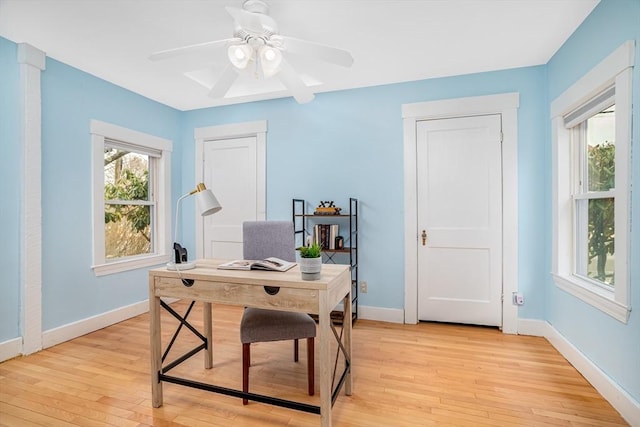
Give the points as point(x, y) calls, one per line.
point(424, 237)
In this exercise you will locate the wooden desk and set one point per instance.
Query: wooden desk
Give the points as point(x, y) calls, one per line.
point(248, 289)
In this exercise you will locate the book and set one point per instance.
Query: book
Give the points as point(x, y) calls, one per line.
point(271, 264)
point(325, 235)
point(333, 233)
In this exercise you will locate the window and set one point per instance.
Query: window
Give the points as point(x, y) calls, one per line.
point(594, 197)
point(129, 201)
point(131, 198)
point(591, 124)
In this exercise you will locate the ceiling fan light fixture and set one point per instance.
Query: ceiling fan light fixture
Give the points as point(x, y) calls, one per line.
point(270, 59)
point(240, 55)
point(258, 50)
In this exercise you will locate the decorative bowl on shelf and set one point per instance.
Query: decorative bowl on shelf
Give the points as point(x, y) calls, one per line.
point(327, 208)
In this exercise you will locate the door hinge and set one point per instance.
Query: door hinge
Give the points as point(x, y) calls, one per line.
point(501, 137)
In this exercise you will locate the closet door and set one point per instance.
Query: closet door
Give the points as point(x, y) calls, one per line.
point(459, 170)
point(230, 171)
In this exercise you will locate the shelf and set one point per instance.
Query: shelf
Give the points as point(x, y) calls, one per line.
point(343, 250)
point(336, 317)
point(322, 215)
point(303, 227)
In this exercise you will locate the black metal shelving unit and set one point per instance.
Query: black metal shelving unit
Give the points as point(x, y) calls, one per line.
point(302, 229)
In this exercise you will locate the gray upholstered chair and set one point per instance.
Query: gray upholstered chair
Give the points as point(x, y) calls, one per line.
point(264, 239)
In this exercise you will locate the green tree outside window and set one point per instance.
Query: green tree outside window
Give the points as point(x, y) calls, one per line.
point(127, 213)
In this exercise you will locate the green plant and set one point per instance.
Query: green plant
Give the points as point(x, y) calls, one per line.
point(312, 251)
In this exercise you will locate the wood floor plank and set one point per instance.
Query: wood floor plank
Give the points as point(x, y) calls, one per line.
point(15, 416)
point(9, 420)
point(403, 375)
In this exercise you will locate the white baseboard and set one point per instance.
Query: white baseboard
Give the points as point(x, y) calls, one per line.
point(622, 401)
point(393, 315)
point(82, 327)
point(10, 349)
point(533, 327)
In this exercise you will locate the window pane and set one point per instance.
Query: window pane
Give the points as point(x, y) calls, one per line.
point(600, 233)
point(127, 230)
point(601, 150)
point(126, 175)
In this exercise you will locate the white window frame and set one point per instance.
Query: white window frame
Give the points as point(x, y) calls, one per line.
point(101, 132)
point(615, 70)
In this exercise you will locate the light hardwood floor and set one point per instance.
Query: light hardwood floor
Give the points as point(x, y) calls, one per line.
point(404, 375)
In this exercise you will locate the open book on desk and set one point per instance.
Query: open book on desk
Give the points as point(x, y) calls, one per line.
point(271, 263)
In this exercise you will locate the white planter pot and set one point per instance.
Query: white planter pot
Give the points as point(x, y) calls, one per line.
point(310, 268)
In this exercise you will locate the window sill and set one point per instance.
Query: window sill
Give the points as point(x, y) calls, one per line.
point(595, 296)
point(129, 264)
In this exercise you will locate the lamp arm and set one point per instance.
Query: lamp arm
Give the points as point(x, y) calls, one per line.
point(207, 205)
point(175, 230)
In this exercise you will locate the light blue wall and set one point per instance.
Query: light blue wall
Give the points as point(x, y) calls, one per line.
point(70, 100)
point(349, 144)
point(358, 135)
point(10, 170)
point(611, 345)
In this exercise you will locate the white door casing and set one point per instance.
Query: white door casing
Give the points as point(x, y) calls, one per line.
point(231, 160)
point(507, 106)
point(460, 220)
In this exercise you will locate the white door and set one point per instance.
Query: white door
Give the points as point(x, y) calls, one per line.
point(460, 220)
point(230, 171)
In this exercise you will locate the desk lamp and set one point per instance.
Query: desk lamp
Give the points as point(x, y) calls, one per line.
point(207, 205)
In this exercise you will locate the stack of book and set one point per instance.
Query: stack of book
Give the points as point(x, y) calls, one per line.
point(325, 235)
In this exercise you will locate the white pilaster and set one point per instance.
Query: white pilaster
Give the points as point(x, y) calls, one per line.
point(32, 62)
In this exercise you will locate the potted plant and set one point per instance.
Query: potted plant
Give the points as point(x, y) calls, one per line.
point(310, 261)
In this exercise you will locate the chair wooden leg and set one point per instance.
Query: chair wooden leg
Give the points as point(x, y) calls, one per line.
point(246, 362)
point(295, 350)
point(311, 366)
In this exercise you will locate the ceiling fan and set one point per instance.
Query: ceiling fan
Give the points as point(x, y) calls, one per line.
point(258, 48)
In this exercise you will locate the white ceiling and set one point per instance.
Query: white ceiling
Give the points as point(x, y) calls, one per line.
point(391, 41)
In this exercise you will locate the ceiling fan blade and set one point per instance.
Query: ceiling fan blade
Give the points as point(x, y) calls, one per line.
point(290, 78)
point(320, 51)
point(164, 54)
point(255, 22)
point(221, 87)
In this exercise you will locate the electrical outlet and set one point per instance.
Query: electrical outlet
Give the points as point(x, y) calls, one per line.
point(518, 298)
point(363, 287)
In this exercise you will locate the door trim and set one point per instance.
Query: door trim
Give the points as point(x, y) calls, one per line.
point(507, 106)
point(258, 129)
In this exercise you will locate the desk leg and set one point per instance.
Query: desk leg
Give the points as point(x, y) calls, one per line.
point(346, 324)
point(155, 348)
point(324, 317)
point(208, 333)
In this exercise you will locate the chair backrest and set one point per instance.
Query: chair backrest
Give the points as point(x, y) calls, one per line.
point(263, 239)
